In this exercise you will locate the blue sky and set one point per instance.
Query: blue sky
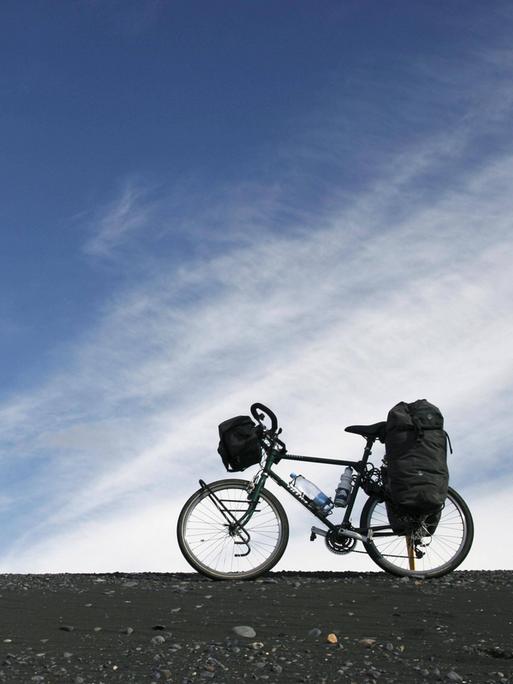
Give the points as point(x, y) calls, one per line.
point(209, 204)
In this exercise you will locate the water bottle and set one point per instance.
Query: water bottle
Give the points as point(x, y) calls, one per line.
point(344, 487)
point(319, 499)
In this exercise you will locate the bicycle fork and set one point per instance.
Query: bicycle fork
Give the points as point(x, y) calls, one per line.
point(234, 526)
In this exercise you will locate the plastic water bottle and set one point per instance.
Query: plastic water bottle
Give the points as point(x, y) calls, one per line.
point(319, 499)
point(344, 487)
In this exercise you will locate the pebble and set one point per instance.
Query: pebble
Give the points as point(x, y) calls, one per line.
point(368, 642)
point(128, 630)
point(244, 631)
point(315, 632)
point(332, 638)
point(66, 628)
point(453, 676)
point(158, 640)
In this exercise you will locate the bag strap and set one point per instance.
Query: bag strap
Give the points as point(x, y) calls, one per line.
point(420, 429)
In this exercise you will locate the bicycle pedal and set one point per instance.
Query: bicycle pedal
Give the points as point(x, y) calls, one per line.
point(315, 531)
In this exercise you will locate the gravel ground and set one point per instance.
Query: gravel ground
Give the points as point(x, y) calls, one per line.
point(285, 627)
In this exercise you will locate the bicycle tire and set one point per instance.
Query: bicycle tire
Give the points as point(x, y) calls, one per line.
point(388, 555)
point(201, 527)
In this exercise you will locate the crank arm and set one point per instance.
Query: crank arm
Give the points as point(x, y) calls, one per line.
point(343, 533)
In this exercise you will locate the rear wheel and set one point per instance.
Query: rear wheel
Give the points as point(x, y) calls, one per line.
point(211, 542)
point(418, 553)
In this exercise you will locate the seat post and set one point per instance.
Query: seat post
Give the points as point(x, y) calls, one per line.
point(368, 449)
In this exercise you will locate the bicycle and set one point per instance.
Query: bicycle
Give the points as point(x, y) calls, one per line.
point(237, 529)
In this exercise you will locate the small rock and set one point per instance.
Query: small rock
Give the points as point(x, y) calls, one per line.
point(257, 645)
point(157, 640)
point(453, 676)
point(97, 629)
point(245, 631)
point(128, 630)
point(367, 642)
point(159, 627)
point(66, 628)
point(332, 638)
point(315, 632)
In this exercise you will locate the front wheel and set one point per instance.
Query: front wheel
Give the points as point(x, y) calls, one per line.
point(213, 544)
point(418, 553)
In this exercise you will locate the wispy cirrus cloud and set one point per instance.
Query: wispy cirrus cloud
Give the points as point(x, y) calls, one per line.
point(117, 223)
point(399, 291)
point(329, 327)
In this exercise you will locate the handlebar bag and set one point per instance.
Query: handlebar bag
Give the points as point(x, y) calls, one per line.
point(239, 446)
point(416, 474)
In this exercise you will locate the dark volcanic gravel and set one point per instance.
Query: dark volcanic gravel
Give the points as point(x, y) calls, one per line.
point(285, 627)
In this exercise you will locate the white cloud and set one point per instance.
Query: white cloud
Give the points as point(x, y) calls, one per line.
point(329, 322)
point(116, 223)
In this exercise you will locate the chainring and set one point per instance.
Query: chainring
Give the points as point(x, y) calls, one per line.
point(339, 545)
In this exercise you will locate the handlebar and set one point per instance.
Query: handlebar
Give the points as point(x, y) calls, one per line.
point(260, 412)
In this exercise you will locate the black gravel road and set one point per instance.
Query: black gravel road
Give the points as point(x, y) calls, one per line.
point(284, 627)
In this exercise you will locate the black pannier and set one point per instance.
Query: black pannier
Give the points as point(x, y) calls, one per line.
point(239, 446)
point(416, 477)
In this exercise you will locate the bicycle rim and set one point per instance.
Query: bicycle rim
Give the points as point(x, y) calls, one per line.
point(213, 549)
point(421, 554)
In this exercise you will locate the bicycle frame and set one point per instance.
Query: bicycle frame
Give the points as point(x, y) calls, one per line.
point(274, 455)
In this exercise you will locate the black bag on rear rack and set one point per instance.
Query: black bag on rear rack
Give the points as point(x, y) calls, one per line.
point(239, 446)
point(415, 477)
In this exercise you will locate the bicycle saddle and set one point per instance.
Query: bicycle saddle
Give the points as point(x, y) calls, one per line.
point(375, 430)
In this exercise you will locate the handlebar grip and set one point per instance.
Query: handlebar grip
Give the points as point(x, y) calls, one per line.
point(255, 408)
